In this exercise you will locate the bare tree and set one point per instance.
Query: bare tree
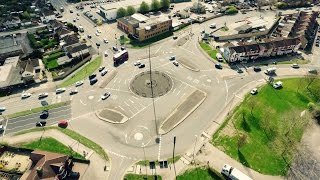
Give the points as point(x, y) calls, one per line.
point(241, 141)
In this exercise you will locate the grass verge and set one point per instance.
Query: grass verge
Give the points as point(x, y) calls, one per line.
point(51, 145)
point(74, 135)
point(38, 109)
point(83, 73)
point(202, 173)
point(141, 177)
point(263, 131)
point(208, 49)
point(170, 161)
point(297, 61)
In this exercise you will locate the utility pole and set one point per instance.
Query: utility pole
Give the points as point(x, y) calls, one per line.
point(145, 160)
point(152, 95)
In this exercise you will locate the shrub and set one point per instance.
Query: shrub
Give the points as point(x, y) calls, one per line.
point(311, 106)
point(281, 5)
point(231, 10)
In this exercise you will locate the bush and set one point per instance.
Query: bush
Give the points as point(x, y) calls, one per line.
point(231, 10)
point(311, 106)
point(281, 5)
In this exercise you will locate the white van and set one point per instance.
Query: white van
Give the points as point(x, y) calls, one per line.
point(213, 25)
point(219, 57)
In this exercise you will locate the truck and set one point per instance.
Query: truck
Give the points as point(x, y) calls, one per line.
point(270, 71)
point(120, 57)
point(233, 173)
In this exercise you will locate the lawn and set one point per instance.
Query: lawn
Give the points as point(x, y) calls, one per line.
point(51, 61)
point(208, 49)
point(297, 61)
point(263, 131)
point(140, 177)
point(51, 145)
point(200, 173)
point(38, 109)
point(83, 73)
point(74, 135)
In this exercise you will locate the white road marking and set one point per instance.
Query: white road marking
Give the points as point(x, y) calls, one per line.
point(82, 103)
point(183, 95)
point(196, 81)
point(131, 111)
point(189, 78)
point(174, 90)
point(143, 108)
point(121, 108)
point(71, 98)
point(159, 151)
point(238, 96)
point(135, 97)
point(227, 90)
point(113, 89)
point(114, 97)
point(131, 101)
point(178, 92)
point(126, 103)
point(168, 72)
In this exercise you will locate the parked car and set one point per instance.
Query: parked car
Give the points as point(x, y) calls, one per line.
point(2, 109)
point(106, 54)
point(25, 95)
point(141, 66)
point(254, 91)
point(105, 95)
point(93, 81)
point(277, 85)
point(123, 48)
point(101, 68)
point(63, 123)
point(98, 44)
point(175, 37)
point(92, 76)
point(104, 72)
point(257, 69)
point(218, 66)
point(137, 63)
point(313, 71)
point(105, 41)
point(295, 66)
point(175, 63)
point(172, 58)
point(44, 114)
point(60, 90)
point(43, 95)
point(41, 123)
point(89, 36)
point(115, 48)
point(79, 83)
point(75, 91)
point(239, 70)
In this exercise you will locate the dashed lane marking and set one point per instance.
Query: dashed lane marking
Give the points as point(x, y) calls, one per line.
point(121, 108)
point(126, 104)
point(159, 151)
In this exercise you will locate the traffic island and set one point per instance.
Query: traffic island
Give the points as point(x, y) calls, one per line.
point(111, 116)
point(184, 109)
point(187, 64)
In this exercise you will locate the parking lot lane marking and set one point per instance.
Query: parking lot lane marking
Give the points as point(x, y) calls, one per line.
point(168, 72)
point(82, 103)
point(196, 81)
point(131, 111)
point(131, 101)
point(135, 97)
point(178, 92)
point(183, 95)
point(121, 108)
point(189, 78)
point(126, 103)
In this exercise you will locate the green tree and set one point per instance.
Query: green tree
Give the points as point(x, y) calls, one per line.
point(231, 10)
point(144, 7)
point(130, 10)
point(155, 5)
point(121, 12)
point(165, 4)
point(26, 15)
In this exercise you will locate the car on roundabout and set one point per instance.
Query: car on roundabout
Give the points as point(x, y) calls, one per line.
point(105, 96)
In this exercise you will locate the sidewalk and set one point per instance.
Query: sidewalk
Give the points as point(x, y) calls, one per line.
point(96, 167)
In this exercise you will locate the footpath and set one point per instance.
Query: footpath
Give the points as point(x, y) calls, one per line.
point(95, 169)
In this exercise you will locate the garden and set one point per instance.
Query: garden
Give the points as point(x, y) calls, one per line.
point(264, 131)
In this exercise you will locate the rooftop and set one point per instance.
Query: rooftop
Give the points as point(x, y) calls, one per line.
point(153, 21)
point(124, 3)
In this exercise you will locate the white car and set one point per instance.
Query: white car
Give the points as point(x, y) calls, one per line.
point(2, 109)
point(97, 34)
point(295, 66)
point(105, 95)
point(75, 91)
point(25, 95)
point(2, 127)
point(137, 63)
point(175, 63)
point(43, 95)
point(98, 31)
point(254, 91)
point(104, 72)
point(79, 83)
point(105, 41)
point(60, 90)
point(277, 85)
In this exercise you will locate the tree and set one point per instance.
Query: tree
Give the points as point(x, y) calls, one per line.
point(121, 12)
point(144, 7)
point(231, 10)
point(165, 4)
point(130, 10)
point(155, 5)
point(26, 15)
point(241, 141)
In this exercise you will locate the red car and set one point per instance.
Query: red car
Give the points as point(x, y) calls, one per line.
point(63, 123)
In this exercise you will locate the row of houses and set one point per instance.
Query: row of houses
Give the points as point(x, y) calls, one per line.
point(244, 52)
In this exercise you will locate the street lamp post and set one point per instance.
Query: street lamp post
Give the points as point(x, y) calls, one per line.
point(145, 160)
point(115, 37)
point(174, 148)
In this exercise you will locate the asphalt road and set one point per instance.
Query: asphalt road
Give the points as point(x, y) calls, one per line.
point(27, 122)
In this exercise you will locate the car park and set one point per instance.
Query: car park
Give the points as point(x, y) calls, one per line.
point(104, 72)
point(75, 91)
point(218, 66)
point(101, 68)
point(295, 66)
point(2, 109)
point(79, 83)
point(25, 95)
point(43, 95)
point(44, 114)
point(254, 91)
point(41, 123)
point(176, 63)
point(60, 90)
point(257, 69)
point(137, 63)
point(105, 95)
point(92, 76)
point(141, 66)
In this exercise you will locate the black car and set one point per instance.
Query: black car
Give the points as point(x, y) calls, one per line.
point(123, 48)
point(74, 175)
point(44, 114)
point(101, 68)
point(89, 37)
point(218, 66)
point(92, 76)
point(257, 69)
point(93, 81)
point(115, 48)
point(98, 44)
point(239, 71)
point(142, 66)
point(41, 123)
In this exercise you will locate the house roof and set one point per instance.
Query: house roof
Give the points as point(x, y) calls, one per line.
point(252, 47)
point(128, 20)
point(47, 162)
point(56, 24)
point(47, 12)
point(238, 49)
point(76, 48)
point(62, 31)
point(70, 39)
